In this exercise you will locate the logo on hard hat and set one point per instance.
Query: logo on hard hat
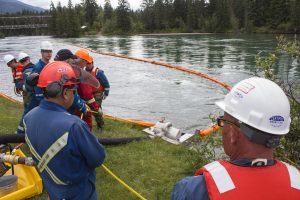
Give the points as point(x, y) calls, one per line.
point(276, 121)
point(238, 95)
point(62, 70)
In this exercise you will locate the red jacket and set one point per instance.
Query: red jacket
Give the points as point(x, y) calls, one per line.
point(86, 93)
point(226, 181)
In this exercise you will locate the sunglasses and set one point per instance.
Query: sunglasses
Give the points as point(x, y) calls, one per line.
point(221, 122)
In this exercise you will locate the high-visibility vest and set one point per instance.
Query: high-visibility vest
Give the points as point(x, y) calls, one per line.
point(226, 181)
point(18, 73)
point(94, 74)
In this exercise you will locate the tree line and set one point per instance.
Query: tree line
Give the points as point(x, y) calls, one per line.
point(246, 16)
point(158, 16)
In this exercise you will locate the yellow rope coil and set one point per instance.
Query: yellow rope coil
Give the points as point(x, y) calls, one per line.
point(122, 182)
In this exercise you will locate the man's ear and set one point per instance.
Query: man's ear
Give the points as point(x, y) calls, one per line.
point(234, 136)
point(64, 94)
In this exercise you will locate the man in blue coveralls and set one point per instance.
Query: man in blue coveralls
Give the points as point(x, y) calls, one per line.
point(66, 151)
point(256, 116)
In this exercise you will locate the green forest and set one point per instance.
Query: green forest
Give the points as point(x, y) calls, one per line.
point(170, 16)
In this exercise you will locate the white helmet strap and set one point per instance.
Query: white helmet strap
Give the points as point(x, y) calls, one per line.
point(260, 137)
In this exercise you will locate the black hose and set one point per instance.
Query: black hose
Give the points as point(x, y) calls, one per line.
point(20, 138)
point(117, 141)
point(12, 138)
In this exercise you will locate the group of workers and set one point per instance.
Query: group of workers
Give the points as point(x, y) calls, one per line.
point(86, 99)
point(62, 144)
point(256, 117)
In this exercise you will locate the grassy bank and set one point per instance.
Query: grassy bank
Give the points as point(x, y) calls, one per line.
point(151, 167)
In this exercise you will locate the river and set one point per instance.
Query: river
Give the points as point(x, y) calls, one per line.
point(149, 92)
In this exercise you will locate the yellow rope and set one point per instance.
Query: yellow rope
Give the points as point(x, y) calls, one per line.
point(122, 182)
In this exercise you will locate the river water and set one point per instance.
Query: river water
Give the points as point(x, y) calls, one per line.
point(149, 92)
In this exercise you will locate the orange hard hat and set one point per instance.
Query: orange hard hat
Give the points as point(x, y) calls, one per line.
point(84, 55)
point(58, 71)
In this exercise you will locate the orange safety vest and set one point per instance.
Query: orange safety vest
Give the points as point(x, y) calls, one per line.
point(94, 74)
point(18, 73)
point(226, 181)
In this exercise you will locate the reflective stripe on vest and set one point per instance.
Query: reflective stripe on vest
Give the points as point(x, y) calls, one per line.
point(294, 176)
point(91, 101)
point(52, 151)
point(220, 176)
point(38, 157)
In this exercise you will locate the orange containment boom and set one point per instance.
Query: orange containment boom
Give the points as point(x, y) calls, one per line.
point(205, 132)
point(130, 121)
point(166, 65)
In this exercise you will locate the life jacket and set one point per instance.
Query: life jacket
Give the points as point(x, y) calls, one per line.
point(18, 73)
point(226, 181)
point(94, 72)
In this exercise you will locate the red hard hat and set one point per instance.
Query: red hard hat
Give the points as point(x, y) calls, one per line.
point(84, 55)
point(54, 71)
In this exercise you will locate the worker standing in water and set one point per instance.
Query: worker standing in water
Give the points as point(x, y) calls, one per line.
point(100, 93)
point(256, 116)
point(65, 150)
point(85, 91)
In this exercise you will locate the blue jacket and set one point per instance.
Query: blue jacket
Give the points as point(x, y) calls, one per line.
point(32, 103)
point(78, 104)
point(103, 81)
point(38, 93)
point(74, 164)
point(194, 187)
point(39, 66)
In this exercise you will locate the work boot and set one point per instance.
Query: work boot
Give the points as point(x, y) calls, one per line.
point(99, 128)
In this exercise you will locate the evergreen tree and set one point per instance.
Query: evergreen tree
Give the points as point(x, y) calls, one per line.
point(148, 14)
point(90, 11)
point(108, 11)
point(259, 12)
point(60, 20)
point(191, 15)
point(53, 18)
point(159, 14)
point(73, 20)
point(222, 15)
point(295, 15)
point(279, 12)
point(200, 13)
point(180, 10)
point(122, 15)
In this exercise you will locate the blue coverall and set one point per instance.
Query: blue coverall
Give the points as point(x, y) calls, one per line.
point(70, 173)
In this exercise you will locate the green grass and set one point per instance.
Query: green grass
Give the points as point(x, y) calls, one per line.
point(151, 167)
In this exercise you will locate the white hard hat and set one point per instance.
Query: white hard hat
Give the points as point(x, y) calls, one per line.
point(46, 45)
point(259, 103)
point(22, 55)
point(8, 58)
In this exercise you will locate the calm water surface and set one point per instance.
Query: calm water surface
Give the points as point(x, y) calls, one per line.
point(149, 92)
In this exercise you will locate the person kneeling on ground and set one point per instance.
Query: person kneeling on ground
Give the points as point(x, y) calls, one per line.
point(66, 151)
point(257, 115)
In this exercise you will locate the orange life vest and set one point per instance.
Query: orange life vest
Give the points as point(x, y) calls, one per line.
point(226, 181)
point(18, 73)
